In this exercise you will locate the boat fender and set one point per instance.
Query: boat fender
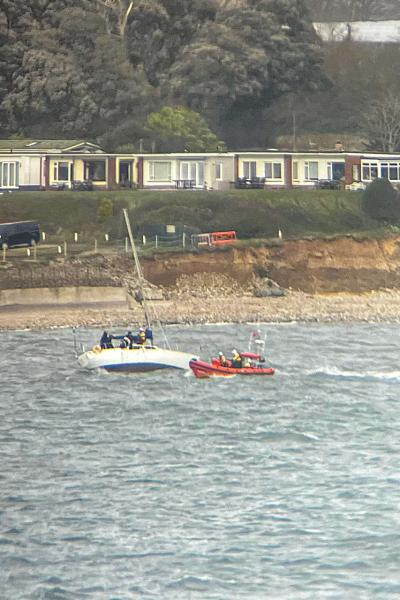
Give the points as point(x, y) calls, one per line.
point(96, 349)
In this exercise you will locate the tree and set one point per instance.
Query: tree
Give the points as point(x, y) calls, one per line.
point(178, 128)
point(235, 67)
point(381, 201)
point(117, 14)
point(157, 30)
point(353, 10)
point(382, 123)
point(69, 77)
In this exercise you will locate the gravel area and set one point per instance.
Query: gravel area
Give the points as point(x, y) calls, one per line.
point(186, 307)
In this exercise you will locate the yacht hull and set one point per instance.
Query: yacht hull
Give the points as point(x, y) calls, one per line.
point(135, 360)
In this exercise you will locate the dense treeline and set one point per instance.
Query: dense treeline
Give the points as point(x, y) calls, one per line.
point(107, 69)
point(97, 68)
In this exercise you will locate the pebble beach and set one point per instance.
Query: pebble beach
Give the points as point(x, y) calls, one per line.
point(375, 307)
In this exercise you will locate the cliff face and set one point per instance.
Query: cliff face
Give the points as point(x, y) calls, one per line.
point(313, 266)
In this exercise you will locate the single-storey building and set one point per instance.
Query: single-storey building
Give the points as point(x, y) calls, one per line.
point(212, 171)
point(78, 164)
point(62, 164)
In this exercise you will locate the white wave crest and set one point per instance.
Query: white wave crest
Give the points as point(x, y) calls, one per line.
point(349, 374)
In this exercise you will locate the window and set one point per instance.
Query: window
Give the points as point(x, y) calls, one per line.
point(311, 170)
point(193, 171)
point(336, 170)
point(369, 171)
point(390, 171)
point(249, 169)
point(394, 171)
point(160, 171)
point(9, 174)
point(356, 173)
point(95, 170)
point(295, 170)
point(61, 171)
point(385, 170)
point(218, 170)
point(273, 170)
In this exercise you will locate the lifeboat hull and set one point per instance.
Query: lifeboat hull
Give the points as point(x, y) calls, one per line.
point(203, 370)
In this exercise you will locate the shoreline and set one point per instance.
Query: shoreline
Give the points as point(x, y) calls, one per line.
point(381, 306)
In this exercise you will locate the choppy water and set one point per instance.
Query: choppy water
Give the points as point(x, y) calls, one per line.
point(163, 486)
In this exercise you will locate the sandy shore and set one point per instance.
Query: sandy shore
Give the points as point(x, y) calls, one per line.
point(379, 307)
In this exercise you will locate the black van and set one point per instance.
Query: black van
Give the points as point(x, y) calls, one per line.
point(20, 233)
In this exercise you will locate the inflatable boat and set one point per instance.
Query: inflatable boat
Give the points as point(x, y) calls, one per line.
point(203, 369)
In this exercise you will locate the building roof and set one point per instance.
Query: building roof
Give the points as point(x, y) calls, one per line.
point(30, 145)
point(322, 142)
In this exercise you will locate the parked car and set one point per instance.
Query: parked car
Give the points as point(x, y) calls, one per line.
point(19, 233)
point(328, 184)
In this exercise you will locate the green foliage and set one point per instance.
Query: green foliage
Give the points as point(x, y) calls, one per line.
point(94, 69)
point(382, 202)
point(176, 128)
point(252, 213)
point(105, 209)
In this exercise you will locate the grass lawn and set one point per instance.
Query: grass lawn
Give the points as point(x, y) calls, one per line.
point(254, 214)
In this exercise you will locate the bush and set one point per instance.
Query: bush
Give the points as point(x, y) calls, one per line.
point(381, 201)
point(105, 209)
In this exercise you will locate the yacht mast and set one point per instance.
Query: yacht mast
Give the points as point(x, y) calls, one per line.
point(141, 279)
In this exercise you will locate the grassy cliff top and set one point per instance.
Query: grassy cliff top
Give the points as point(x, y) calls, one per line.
point(254, 214)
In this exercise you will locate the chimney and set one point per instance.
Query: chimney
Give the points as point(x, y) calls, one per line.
point(339, 146)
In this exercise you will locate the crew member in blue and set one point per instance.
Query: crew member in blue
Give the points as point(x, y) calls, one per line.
point(105, 341)
point(126, 340)
point(149, 335)
point(129, 339)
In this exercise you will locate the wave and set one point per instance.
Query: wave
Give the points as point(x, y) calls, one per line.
point(348, 374)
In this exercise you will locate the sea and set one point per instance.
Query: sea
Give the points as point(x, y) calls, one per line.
point(163, 486)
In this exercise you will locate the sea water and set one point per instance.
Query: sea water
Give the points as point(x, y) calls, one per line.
point(117, 487)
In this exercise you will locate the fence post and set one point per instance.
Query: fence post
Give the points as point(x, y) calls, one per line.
point(144, 240)
point(156, 241)
point(43, 236)
point(4, 254)
point(95, 245)
point(28, 251)
point(183, 239)
point(65, 248)
point(106, 237)
point(279, 234)
point(75, 237)
point(126, 245)
point(59, 250)
point(35, 252)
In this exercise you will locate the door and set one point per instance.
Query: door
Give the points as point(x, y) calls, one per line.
point(125, 173)
point(193, 171)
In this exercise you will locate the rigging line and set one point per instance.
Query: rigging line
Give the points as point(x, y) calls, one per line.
point(142, 281)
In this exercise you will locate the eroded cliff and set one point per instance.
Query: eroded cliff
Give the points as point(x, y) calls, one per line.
point(314, 266)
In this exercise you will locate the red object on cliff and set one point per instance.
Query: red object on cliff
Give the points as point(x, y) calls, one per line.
point(215, 238)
